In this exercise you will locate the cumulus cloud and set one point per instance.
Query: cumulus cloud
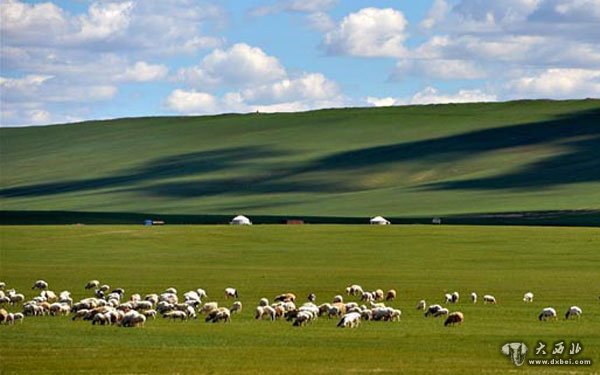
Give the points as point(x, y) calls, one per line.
point(144, 72)
point(436, 14)
point(370, 32)
point(431, 95)
point(307, 91)
point(241, 64)
point(558, 84)
point(301, 6)
point(438, 68)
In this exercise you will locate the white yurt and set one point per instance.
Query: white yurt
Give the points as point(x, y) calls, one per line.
point(240, 220)
point(378, 220)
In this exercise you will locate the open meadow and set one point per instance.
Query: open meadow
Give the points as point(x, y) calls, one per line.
point(559, 265)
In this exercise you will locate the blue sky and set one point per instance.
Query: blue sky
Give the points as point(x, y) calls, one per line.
point(69, 61)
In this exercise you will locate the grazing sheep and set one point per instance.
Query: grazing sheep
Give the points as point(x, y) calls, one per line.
point(422, 305)
point(455, 297)
point(168, 297)
point(378, 294)
point(49, 296)
point(40, 284)
point(447, 298)
point(16, 298)
point(265, 312)
point(312, 298)
point(489, 299)
point(440, 312)
point(150, 313)
point(390, 295)
point(191, 295)
point(285, 297)
point(170, 290)
point(104, 288)
point(338, 299)
point(142, 305)
point(133, 319)
point(432, 310)
point(367, 297)
point(201, 293)
point(119, 291)
point(573, 311)
point(3, 315)
point(2, 285)
point(231, 293)
point(152, 298)
point(454, 318)
point(80, 314)
point(4, 300)
point(220, 314)
point(474, 297)
point(18, 316)
point(173, 315)
point(350, 320)
point(263, 302)
point(135, 298)
point(209, 307)
point(528, 297)
point(354, 290)
point(92, 284)
point(302, 318)
point(547, 313)
point(236, 308)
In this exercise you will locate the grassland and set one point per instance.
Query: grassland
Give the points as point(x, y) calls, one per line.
point(397, 161)
point(560, 265)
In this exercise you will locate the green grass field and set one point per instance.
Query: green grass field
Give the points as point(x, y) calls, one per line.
point(559, 265)
point(398, 161)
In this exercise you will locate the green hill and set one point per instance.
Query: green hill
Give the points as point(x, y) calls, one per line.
point(396, 161)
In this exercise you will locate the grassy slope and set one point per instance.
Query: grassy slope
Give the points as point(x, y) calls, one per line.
point(560, 265)
point(424, 160)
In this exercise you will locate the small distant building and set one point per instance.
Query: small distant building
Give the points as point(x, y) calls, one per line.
point(378, 220)
point(294, 222)
point(436, 220)
point(240, 220)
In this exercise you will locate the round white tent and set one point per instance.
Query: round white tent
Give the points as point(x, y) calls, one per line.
point(378, 220)
point(240, 220)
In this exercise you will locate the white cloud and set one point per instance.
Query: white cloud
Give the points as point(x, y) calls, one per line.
point(240, 65)
point(436, 14)
point(370, 32)
point(320, 21)
point(301, 6)
point(308, 91)
point(383, 102)
point(192, 102)
point(104, 21)
point(559, 84)
point(144, 72)
point(438, 68)
point(431, 95)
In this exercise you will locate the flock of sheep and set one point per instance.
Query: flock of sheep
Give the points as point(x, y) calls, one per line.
point(108, 306)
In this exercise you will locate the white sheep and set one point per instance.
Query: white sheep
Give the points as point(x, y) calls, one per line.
point(473, 297)
point(455, 297)
point(573, 311)
point(431, 310)
point(390, 295)
point(263, 302)
point(236, 308)
point(338, 299)
point(18, 316)
point(201, 293)
point(2, 285)
point(440, 312)
point(176, 314)
point(354, 289)
point(422, 305)
point(231, 293)
point(312, 297)
point(547, 313)
point(447, 298)
point(220, 314)
point(265, 312)
point(150, 313)
point(92, 284)
point(170, 290)
point(208, 307)
point(40, 284)
point(350, 320)
point(302, 318)
point(528, 297)
point(367, 297)
point(489, 299)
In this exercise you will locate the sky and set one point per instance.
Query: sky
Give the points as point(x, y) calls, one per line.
point(77, 60)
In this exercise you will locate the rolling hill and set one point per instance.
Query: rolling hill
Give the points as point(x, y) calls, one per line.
point(409, 161)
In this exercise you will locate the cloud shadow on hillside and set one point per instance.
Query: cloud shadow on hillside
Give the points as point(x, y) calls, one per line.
point(578, 132)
